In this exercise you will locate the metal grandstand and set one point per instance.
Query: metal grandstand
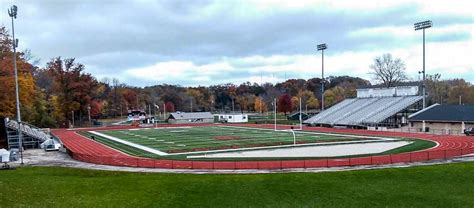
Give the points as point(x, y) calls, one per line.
point(372, 107)
point(32, 136)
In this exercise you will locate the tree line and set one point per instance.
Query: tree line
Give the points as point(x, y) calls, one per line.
point(62, 91)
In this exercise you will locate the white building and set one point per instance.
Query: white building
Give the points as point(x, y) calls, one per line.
point(234, 118)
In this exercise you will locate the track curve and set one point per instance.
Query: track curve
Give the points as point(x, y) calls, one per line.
point(87, 150)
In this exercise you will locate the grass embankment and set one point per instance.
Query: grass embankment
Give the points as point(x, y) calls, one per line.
point(429, 186)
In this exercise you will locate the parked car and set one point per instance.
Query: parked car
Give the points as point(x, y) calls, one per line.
point(469, 131)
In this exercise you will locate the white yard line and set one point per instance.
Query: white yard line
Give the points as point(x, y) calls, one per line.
point(138, 146)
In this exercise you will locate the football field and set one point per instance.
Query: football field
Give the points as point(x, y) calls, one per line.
point(207, 139)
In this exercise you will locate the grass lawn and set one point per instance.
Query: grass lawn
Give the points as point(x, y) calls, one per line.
point(449, 185)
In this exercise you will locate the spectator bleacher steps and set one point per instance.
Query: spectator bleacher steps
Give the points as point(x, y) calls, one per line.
point(362, 111)
point(29, 130)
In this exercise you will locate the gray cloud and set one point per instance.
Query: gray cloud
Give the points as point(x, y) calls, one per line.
point(110, 36)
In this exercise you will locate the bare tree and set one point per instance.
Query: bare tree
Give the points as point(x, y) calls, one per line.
point(388, 70)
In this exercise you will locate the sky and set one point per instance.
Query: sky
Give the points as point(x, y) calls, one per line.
point(206, 42)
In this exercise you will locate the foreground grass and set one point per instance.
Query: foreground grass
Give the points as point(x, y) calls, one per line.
point(430, 186)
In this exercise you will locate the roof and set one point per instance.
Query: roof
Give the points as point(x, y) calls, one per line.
point(193, 115)
point(445, 113)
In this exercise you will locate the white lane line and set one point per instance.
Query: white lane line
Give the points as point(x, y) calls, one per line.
point(138, 146)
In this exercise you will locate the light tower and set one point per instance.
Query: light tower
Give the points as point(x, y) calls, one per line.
point(12, 12)
point(422, 26)
point(322, 47)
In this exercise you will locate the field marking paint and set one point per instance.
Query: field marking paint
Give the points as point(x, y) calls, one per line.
point(319, 133)
point(280, 146)
point(311, 151)
point(138, 146)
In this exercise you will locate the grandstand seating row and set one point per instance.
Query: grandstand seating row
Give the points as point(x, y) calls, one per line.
point(29, 130)
point(363, 111)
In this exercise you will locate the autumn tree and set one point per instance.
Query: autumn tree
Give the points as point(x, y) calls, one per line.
point(295, 102)
point(260, 105)
point(284, 104)
point(73, 87)
point(437, 89)
point(388, 70)
point(169, 106)
point(460, 91)
point(312, 103)
point(26, 81)
point(333, 96)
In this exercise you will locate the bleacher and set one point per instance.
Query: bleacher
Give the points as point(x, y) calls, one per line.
point(371, 107)
point(32, 135)
point(29, 130)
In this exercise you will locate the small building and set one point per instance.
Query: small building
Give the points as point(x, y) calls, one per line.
point(189, 118)
point(443, 119)
point(233, 118)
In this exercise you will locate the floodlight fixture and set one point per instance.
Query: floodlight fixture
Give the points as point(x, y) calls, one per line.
point(322, 47)
point(423, 25)
point(12, 11)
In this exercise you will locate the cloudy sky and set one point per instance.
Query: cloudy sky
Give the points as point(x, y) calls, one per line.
point(196, 42)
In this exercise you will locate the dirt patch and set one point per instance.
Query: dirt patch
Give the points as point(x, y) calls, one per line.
point(226, 137)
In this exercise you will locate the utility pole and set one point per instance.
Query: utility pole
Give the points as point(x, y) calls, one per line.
point(232, 105)
point(72, 113)
point(89, 112)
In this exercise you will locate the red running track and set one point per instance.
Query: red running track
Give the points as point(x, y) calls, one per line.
point(84, 149)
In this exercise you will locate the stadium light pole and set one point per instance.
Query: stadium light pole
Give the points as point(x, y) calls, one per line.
point(12, 12)
point(422, 26)
point(322, 47)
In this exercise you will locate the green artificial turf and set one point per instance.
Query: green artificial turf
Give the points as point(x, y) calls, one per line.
point(449, 185)
point(209, 138)
point(202, 138)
